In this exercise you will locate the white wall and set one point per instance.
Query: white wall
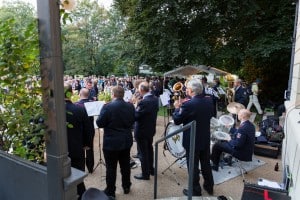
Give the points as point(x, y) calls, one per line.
point(291, 143)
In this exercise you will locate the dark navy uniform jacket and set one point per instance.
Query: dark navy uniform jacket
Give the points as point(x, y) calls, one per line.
point(117, 118)
point(79, 130)
point(240, 96)
point(199, 108)
point(242, 145)
point(145, 116)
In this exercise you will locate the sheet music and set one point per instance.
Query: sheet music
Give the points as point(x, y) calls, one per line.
point(127, 95)
point(165, 98)
point(93, 108)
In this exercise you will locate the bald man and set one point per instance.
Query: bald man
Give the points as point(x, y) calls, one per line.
point(89, 160)
point(242, 143)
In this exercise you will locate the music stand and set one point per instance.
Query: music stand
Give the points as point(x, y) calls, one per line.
point(93, 109)
point(100, 152)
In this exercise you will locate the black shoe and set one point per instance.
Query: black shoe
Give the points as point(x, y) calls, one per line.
point(141, 177)
point(111, 196)
point(186, 193)
point(215, 167)
point(126, 190)
point(152, 172)
point(209, 190)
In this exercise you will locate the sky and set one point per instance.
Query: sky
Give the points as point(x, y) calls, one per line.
point(105, 3)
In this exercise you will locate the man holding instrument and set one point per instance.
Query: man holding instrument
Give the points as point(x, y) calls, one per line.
point(241, 145)
point(200, 109)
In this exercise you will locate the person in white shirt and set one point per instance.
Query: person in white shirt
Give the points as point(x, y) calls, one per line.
point(253, 98)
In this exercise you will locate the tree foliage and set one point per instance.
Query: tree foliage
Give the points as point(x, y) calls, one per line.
point(94, 43)
point(234, 35)
point(21, 118)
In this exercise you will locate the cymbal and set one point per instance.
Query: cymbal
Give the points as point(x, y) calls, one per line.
point(234, 107)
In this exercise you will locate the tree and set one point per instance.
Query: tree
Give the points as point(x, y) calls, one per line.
point(237, 36)
point(21, 119)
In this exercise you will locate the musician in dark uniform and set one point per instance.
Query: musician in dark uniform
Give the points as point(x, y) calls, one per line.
point(241, 145)
point(89, 160)
point(240, 94)
point(79, 131)
point(200, 109)
point(145, 128)
point(117, 119)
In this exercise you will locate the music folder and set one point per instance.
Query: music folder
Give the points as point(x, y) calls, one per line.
point(93, 108)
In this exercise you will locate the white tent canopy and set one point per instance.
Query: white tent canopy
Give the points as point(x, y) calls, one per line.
point(194, 69)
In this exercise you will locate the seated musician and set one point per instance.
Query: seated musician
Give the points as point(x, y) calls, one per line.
point(242, 143)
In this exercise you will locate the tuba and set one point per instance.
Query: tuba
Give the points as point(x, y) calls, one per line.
point(178, 91)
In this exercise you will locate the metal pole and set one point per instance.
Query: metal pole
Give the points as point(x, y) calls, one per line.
point(191, 160)
point(58, 163)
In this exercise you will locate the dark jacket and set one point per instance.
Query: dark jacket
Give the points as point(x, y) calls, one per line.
point(145, 117)
point(79, 130)
point(240, 96)
point(117, 118)
point(199, 108)
point(81, 103)
point(243, 141)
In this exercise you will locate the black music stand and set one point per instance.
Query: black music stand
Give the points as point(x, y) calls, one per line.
point(100, 152)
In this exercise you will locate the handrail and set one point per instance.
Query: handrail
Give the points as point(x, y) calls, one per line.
point(192, 127)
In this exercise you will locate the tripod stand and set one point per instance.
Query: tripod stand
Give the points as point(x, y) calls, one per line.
point(100, 154)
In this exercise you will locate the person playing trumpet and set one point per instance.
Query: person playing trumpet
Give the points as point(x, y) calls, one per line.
point(200, 109)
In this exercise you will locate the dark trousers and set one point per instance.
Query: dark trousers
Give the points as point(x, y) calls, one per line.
point(217, 150)
point(89, 157)
point(146, 149)
point(204, 158)
point(111, 159)
point(79, 163)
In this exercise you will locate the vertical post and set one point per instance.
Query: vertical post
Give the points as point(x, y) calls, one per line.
point(191, 160)
point(58, 163)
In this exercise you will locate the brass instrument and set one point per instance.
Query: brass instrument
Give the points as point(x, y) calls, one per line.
point(178, 91)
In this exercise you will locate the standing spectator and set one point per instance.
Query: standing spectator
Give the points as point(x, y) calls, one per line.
point(240, 95)
point(79, 129)
point(92, 93)
point(117, 119)
point(253, 98)
point(84, 97)
point(145, 128)
point(200, 109)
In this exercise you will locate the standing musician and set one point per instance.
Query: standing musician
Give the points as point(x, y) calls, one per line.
point(89, 160)
point(200, 109)
point(79, 130)
point(117, 118)
point(145, 128)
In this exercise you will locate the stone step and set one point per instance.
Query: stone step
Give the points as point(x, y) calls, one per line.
point(194, 198)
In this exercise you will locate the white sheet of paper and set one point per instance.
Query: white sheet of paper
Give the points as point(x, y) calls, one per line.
point(93, 108)
point(165, 98)
point(127, 95)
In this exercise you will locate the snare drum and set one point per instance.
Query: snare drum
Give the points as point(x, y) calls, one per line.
point(219, 135)
point(226, 122)
point(174, 143)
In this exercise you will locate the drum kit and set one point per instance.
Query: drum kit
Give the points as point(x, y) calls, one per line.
point(219, 128)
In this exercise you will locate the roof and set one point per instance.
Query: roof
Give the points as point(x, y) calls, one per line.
point(194, 69)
